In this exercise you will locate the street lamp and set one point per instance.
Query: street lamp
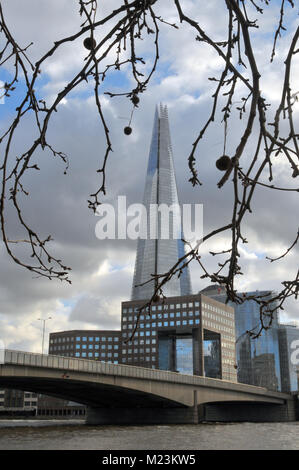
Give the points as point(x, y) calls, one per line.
point(44, 324)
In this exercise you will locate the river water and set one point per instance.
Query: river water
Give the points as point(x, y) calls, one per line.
point(76, 435)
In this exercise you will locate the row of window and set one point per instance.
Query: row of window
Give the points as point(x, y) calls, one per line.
point(97, 346)
point(161, 316)
point(96, 355)
point(85, 346)
point(139, 350)
point(155, 308)
point(63, 339)
point(228, 345)
point(218, 318)
point(218, 310)
point(222, 328)
point(166, 324)
point(140, 359)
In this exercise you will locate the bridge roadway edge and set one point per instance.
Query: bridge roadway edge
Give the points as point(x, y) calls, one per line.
point(184, 399)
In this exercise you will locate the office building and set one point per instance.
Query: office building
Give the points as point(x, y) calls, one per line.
point(156, 255)
point(189, 334)
point(102, 345)
point(17, 402)
point(258, 359)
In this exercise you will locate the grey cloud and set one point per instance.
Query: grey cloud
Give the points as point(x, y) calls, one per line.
point(58, 202)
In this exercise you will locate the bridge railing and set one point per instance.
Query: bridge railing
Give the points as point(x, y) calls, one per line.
point(68, 364)
point(56, 362)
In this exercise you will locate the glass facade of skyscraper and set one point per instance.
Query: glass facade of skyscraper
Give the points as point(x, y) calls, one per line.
point(258, 359)
point(157, 253)
point(288, 343)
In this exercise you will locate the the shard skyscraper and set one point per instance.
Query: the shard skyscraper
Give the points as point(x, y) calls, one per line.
point(156, 255)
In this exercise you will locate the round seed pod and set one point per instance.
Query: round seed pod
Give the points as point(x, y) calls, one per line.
point(223, 163)
point(89, 43)
point(128, 130)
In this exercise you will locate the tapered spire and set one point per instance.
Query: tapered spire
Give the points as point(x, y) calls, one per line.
point(156, 255)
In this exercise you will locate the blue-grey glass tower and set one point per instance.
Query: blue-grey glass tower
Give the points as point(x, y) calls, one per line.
point(157, 252)
point(258, 359)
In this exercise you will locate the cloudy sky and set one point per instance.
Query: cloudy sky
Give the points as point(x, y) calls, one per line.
point(102, 271)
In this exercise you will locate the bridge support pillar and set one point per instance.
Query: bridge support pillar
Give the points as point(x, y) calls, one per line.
point(187, 415)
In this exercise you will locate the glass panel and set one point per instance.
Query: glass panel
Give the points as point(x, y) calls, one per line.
point(165, 350)
point(212, 355)
point(184, 355)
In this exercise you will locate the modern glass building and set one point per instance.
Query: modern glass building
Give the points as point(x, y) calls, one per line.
point(102, 345)
point(191, 334)
point(258, 359)
point(288, 342)
point(162, 246)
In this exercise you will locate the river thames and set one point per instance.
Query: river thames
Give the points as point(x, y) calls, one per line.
point(75, 435)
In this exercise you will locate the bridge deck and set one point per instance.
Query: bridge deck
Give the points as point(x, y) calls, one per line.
point(68, 364)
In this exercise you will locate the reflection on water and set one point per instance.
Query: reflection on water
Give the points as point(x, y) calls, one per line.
point(75, 435)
